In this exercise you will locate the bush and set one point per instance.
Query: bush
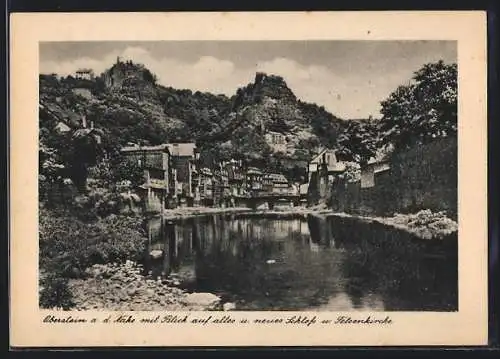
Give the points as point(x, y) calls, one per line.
point(54, 293)
point(68, 246)
point(427, 224)
point(98, 203)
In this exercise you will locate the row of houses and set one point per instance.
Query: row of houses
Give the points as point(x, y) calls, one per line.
point(326, 173)
point(328, 166)
point(173, 177)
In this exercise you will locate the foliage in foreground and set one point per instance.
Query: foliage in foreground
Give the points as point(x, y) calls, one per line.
point(55, 293)
point(68, 246)
point(427, 224)
point(423, 110)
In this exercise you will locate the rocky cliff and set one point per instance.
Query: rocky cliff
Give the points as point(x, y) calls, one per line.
point(129, 106)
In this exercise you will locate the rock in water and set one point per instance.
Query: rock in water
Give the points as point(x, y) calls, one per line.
point(156, 254)
point(271, 261)
point(229, 306)
point(201, 299)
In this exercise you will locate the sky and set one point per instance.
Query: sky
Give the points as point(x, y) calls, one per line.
point(348, 78)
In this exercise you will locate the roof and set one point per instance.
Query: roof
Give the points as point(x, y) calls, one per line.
point(206, 171)
point(152, 185)
point(62, 127)
point(374, 161)
point(274, 133)
point(144, 148)
point(338, 167)
point(382, 155)
point(133, 196)
point(318, 156)
point(379, 166)
point(384, 166)
point(254, 170)
point(182, 149)
point(276, 177)
point(83, 132)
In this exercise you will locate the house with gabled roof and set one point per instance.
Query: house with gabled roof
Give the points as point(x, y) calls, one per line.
point(62, 127)
point(275, 183)
point(236, 177)
point(276, 140)
point(84, 74)
point(323, 169)
point(254, 180)
point(155, 163)
point(206, 186)
point(184, 157)
point(327, 161)
point(377, 165)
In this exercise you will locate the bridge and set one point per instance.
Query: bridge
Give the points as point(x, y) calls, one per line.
point(271, 199)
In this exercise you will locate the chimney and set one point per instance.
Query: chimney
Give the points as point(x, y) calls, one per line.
point(84, 121)
point(92, 124)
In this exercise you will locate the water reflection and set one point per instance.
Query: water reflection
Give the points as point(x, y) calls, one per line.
point(270, 264)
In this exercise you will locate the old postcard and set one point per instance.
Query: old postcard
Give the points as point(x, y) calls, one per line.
point(234, 179)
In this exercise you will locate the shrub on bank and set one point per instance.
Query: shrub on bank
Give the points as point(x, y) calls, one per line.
point(427, 224)
point(68, 246)
point(55, 293)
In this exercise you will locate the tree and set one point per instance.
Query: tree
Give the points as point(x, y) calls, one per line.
point(352, 172)
point(52, 164)
point(423, 110)
point(123, 170)
point(85, 151)
point(357, 142)
point(51, 171)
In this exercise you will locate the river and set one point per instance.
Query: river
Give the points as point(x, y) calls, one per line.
point(298, 264)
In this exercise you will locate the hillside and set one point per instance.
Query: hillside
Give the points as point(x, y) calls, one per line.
point(129, 106)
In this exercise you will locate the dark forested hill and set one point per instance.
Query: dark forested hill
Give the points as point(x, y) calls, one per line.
point(128, 105)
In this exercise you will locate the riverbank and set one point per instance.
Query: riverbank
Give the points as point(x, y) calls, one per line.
point(424, 224)
point(83, 276)
point(285, 213)
point(123, 287)
point(188, 212)
point(277, 213)
point(92, 265)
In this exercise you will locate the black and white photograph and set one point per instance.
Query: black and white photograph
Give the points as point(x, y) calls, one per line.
point(307, 175)
point(215, 180)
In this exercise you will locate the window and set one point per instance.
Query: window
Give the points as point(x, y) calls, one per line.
point(278, 139)
point(367, 178)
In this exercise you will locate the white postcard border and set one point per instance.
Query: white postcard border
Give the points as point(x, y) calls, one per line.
point(468, 326)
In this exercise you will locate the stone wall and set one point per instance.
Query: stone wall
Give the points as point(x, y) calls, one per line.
point(423, 177)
